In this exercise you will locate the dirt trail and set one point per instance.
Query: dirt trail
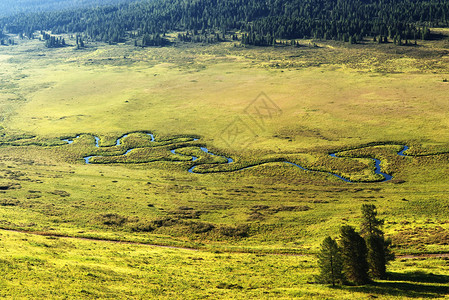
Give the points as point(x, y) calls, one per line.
point(50, 234)
point(99, 239)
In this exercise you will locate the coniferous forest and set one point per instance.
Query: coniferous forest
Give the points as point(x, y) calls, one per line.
point(261, 23)
point(11, 7)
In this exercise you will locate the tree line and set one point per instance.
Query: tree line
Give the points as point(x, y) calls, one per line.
point(357, 257)
point(262, 22)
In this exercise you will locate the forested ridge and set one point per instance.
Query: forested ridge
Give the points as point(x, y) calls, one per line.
point(261, 22)
point(10, 7)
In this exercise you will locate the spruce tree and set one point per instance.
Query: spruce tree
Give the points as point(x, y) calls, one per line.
point(330, 262)
point(354, 253)
point(371, 225)
point(376, 256)
point(378, 247)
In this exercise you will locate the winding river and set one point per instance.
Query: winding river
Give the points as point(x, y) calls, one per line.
point(97, 144)
point(118, 142)
point(401, 153)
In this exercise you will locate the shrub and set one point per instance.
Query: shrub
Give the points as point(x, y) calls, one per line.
point(200, 227)
point(113, 219)
point(237, 231)
point(143, 226)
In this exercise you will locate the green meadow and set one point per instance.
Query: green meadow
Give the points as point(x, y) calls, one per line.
point(89, 230)
point(34, 267)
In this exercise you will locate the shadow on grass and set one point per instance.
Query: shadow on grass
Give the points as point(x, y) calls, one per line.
point(411, 285)
point(422, 277)
point(436, 36)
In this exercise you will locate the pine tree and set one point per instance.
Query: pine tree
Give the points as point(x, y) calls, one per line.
point(379, 253)
point(354, 253)
point(330, 262)
point(371, 225)
point(376, 256)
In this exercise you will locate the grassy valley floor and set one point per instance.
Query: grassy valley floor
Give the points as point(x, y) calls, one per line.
point(258, 106)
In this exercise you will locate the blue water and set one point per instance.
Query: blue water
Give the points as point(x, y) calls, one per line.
point(205, 150)
point(174, 152)
point(377, 162)
point(69, 141)
point(401, 153)
point(377, 170)
point(305, 169)
point(117, 143)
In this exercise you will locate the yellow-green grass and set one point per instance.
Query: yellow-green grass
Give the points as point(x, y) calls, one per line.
point(36, 267)
point(199, 92)
point(138, 147)
point(328, 106)
point(333, 99)
point(286, 209)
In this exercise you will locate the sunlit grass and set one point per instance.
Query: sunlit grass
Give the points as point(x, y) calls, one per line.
point(333, 99)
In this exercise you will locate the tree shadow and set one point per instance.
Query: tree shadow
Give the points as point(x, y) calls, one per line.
point(418, 276)
point(412, 285)
point(436, 36)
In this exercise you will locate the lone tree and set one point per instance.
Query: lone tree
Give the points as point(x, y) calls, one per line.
point(354, 253)
point(330, 263)
point(379, 253)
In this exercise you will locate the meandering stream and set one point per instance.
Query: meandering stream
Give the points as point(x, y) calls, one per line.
point(118, 142)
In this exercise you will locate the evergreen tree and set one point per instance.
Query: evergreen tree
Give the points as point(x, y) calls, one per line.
point(353, 20)
point(371, 225)
point(376, 256)
point(378, 248)
point(354, 253)
point(330, 262)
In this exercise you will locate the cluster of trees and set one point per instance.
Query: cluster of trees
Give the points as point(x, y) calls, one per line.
point(5, 42)
point(3, 39)
point(357, 257)
point(206, 36)
point(262, 21)
point(79, 42)
point(258, 40)
point(53, 41)
point(152, 40)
